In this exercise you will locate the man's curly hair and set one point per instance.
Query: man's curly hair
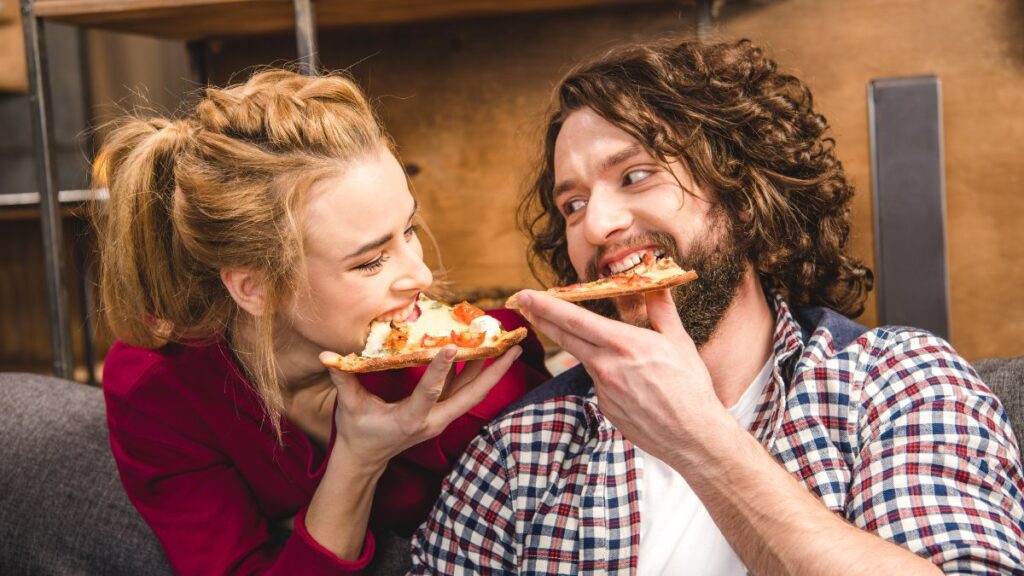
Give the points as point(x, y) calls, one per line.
point(748, 133)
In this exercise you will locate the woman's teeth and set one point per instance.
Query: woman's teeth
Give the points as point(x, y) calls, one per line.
point(407, 314)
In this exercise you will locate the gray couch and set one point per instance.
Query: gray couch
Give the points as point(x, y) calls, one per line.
point(62, 509)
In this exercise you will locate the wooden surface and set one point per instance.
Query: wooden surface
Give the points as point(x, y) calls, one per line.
point(466, 101)
point(24, 328)
point(13, 68)
point(192, 19)
point(977, 51)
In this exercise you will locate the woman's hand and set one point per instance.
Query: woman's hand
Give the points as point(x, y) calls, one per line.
point(371, 431)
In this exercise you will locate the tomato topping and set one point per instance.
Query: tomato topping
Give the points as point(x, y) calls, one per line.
point(466, 312)
point(429, 341)
point(468, 339)
point(630, 279)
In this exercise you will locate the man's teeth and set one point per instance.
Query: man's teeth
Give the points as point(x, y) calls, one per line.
point(631, 261)
point(625, 263)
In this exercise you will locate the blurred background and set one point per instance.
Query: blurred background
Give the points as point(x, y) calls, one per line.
point(464, 85)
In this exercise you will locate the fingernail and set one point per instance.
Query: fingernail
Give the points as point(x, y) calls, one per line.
point(449, 352)
point(326, 357)
point(523, 299)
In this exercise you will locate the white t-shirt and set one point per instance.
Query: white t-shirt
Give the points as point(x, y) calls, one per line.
point(677, 535)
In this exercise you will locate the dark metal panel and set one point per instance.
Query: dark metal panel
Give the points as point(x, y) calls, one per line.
point(909, 202)
point(46, 170)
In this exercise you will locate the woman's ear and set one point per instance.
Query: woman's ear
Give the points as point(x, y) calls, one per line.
point(246, 287)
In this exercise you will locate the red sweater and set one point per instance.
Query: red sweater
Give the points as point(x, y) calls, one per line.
point(200, 462)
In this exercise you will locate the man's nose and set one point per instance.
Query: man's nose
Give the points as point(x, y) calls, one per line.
point(605, 218)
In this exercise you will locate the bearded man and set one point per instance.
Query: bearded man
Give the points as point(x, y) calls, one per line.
point(742, 422)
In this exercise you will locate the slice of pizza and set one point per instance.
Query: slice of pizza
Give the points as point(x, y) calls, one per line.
point(649, 274)
point(395, 344)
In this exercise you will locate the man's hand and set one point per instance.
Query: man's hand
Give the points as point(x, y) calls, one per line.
point(656, 389)
point(647, 381)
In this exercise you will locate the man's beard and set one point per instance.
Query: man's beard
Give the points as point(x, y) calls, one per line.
point(702, 304)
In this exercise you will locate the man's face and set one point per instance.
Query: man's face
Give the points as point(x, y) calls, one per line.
point(620, 202)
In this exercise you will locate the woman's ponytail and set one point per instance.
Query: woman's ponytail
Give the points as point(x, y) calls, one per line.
point(144, 273)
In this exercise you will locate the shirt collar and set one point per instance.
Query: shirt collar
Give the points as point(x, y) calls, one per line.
point(788, 345)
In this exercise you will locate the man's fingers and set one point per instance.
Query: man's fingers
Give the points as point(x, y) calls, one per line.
point(568, 318)
point(663, 314)
point(571, 343)
point(431, 385)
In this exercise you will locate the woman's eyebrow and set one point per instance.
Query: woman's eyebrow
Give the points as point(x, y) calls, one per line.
point(415, 209)
point(377, 243)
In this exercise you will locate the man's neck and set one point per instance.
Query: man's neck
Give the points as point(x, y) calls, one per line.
point(742, 342)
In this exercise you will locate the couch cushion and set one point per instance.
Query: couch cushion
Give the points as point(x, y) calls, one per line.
point(1005, 376)
point(62, 507)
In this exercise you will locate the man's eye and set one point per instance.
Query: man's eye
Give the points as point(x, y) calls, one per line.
point(573, 205)
point(634, 176)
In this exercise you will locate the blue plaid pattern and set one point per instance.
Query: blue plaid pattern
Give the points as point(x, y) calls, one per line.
point(889, 428)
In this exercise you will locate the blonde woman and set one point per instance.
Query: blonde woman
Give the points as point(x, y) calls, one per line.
point(272, 224)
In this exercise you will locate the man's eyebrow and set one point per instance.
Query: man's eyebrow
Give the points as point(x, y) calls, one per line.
point(377, 243)
point(563, 187)
point(619, 157)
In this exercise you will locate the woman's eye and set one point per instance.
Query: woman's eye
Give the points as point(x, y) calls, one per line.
point(373, 265)
point(634, 176)
point(411, 231)
point(573, 205)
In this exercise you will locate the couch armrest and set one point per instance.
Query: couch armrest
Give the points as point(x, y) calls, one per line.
point(62, 507)
point(1005, 376)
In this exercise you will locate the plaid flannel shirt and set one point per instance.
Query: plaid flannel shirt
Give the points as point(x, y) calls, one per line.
point(889, 428)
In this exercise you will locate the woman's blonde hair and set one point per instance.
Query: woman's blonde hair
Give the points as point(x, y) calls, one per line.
point(222, 187)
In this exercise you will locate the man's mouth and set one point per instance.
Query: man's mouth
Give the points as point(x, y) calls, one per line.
point(625, 262)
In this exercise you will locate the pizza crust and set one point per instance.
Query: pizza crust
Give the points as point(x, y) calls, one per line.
point(597, 290)
point(356, 364)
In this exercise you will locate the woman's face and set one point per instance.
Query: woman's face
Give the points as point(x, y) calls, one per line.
point(364, 261)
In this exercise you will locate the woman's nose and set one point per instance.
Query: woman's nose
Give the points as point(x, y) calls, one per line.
point(415, 274)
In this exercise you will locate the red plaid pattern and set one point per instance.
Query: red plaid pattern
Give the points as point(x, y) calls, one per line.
point(889, 428)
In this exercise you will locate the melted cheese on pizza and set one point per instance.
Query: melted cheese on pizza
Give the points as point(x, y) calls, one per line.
point(436, 322)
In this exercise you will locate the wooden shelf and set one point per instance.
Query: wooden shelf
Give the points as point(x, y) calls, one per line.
point(199, 19)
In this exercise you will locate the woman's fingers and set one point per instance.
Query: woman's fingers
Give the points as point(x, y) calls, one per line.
point(437, 400)
point(470, 371)
point(473, 391)
point(350, 390)
point(426, 394)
